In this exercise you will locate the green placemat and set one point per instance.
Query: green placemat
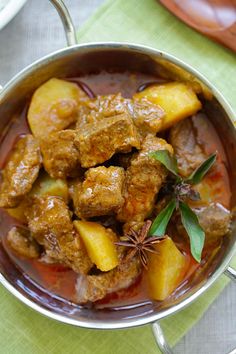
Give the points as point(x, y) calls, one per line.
point(147, 22)
point(25, 332)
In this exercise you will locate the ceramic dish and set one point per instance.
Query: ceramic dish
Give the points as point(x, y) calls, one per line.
point(8, 10)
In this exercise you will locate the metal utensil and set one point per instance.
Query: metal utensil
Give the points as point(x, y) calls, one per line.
point(75, 61)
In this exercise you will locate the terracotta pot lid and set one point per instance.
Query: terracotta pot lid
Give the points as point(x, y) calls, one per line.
point(214, 18)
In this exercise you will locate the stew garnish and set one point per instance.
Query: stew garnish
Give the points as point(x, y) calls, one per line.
point(181, 189)
point(140, 243)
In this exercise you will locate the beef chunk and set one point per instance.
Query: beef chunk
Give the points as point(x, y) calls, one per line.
point(95, 110)
point(50, 224)
point(100, 193)
point(96, 287)
point(98, 142)
point(146, 116)
point(21, 242)
point(214, 219)
point(60, 156)
point(20, 172)
point(188, 152)
point(143, 180)
point(49, 216)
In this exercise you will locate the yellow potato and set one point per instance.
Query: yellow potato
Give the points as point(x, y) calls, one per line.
point(165, 269)
point(177, 99)
point(173, 72)
point(47, 186)
point(54, 106)
point(98, 243)
point(43, 186)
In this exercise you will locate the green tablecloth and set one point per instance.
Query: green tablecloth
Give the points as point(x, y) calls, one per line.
point(147, 22)
point(25, 332)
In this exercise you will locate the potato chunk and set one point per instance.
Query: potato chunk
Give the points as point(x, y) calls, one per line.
point(177, 99)
point(20, 172)
point(165, 269)
point(47, 186)
point(54, 106)
point(98, 243)
point(43, 186)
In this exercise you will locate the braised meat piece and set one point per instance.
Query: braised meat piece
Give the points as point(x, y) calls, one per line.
point(143, 181)
point(214, 219)
point(146, 116)
point(21, 242)
point(50, 224)
point(188, 151)
point(60, 155)
point(20, 172)
point(96, 287)
point(100, 193)
point(99, 142)
point(95, 110)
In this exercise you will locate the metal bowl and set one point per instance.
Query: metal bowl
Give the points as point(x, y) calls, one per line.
point(78, 60)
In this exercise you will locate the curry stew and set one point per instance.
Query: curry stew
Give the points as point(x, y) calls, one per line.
point(80, 189)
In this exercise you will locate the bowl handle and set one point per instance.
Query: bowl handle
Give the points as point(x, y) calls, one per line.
point(160, 339)
point(231, 273)
point(66, 21)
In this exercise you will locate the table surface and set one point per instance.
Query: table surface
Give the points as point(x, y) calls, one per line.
point(28, 38)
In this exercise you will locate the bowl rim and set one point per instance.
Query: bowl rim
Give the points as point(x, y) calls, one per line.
point(146, 318)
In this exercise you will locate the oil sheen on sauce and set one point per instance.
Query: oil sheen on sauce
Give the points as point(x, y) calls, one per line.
point(58, 279)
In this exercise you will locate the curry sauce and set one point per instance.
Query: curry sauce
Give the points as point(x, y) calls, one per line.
point(59, 279)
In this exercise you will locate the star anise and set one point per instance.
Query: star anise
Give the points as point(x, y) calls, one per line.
point(140, 243)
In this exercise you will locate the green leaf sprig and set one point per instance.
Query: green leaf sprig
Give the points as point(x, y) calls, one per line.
point(181, 189)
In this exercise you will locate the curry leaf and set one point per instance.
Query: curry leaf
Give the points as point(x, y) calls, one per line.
point(200, 172)
point(167, 160)
point(194, 230)
point(160, 223)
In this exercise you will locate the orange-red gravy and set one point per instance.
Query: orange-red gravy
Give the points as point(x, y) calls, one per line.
point(60, 280)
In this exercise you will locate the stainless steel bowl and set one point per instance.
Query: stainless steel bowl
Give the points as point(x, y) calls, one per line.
point(77, 60)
